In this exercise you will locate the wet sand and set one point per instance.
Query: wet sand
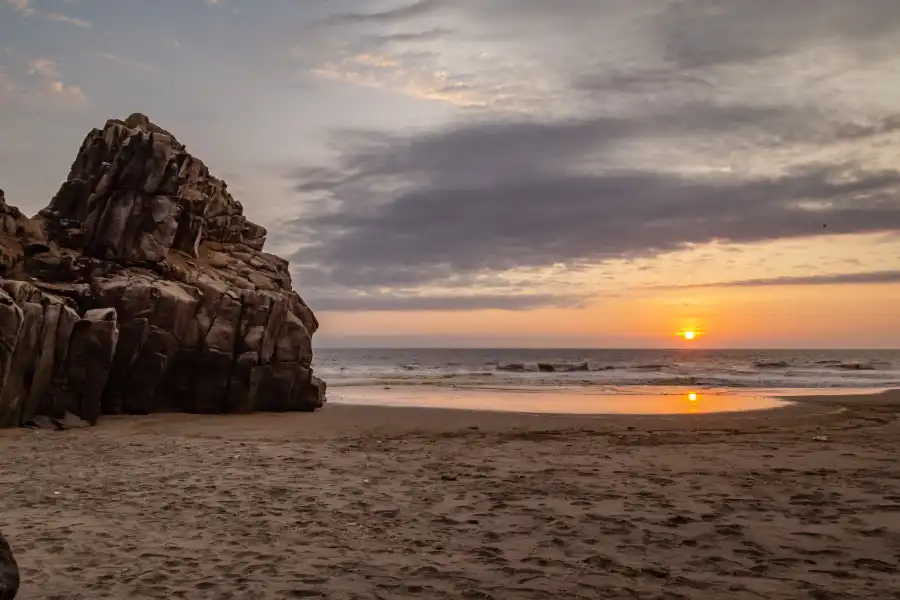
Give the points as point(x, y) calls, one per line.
point(383, 503)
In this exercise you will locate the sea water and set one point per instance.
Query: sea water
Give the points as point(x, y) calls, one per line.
point(599, 381)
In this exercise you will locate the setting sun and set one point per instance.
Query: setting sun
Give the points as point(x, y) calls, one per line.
point(689, 335)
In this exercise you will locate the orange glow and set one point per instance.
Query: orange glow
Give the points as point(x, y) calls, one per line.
point(692, 396)
point(725, 318)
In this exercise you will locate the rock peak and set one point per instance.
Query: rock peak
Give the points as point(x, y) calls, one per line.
point(138, 121)
point(142, 122)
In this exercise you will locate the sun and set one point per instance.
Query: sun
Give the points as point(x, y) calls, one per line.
point(690, 332)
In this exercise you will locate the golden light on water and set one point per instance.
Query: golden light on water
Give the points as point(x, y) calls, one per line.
point(693, 406)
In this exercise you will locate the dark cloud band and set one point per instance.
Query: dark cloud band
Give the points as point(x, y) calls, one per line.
point(873, 278)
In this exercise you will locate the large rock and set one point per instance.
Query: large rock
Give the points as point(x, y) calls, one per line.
point(89, 357)
point(143, 288)
point(20, 372)
point(11, 321)
point(9, 572)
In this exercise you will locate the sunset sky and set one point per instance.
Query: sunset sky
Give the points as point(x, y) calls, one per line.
point(566, 173)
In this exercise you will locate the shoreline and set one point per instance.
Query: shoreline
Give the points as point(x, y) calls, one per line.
point(342, 419)
point(809, 396)
point(336, 420)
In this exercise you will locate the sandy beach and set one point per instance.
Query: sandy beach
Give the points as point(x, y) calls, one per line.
point(383, 503)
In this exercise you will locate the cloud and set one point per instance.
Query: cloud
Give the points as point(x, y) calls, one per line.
point(49, 83)
point(56, 16)
point(383, 70)
point(872, 277)
point(638, 81)
point(488, 197)
point(399, 302)
point(542, 221)
point(129, 62)
point(22, 6)
point(401, 13)
point(44, 67)
point(596, 131)
point(704, 33)
point(498, 152)
point(592, 56)
point(429, 35)
point(72, 93)
point(26, 9)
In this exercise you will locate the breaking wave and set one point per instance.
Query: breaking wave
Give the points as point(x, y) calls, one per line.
point(516, 368)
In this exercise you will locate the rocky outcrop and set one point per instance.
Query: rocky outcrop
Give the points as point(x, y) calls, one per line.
point(143, 288)
point(9, 572)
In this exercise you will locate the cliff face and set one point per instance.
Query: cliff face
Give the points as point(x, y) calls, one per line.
point(143, 288)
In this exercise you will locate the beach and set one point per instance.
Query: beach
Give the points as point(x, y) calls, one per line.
point(376, 502)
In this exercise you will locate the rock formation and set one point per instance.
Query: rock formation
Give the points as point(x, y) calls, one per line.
point(143, 288)
point(9, 572)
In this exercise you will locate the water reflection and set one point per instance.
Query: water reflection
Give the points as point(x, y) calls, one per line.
point(655, 401)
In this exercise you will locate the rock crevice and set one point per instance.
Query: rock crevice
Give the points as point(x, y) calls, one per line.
point(142, 288)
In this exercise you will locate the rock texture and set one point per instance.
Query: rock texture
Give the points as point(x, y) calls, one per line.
point(9, 572)
point(143, 288)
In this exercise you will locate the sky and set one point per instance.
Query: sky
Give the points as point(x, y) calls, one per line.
point(511, 173)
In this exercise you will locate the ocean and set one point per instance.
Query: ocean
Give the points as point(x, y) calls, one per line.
point(612, 370)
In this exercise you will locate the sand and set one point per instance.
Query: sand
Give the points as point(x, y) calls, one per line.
point(365, 502)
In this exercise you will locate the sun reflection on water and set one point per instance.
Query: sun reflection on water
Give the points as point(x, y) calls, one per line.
point(693, 402)
point(656, 401)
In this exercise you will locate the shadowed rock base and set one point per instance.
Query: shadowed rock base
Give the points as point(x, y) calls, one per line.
point(142, 288)
point(9, 572)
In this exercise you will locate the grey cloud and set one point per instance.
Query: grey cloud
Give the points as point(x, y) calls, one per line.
point(499, 10)
point(401, 13)
point(541, 222)
point(890, 124)
point(399, 302)
point(324, 341)
point(496, 193)
point(495, 150)
point(872, 277)
point(490, 196)
point(693, 33)
point(499, 152)
point(416, 36)
point(703, 33)
point(638, 81)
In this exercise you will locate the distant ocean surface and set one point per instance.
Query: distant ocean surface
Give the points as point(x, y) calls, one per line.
point(611, 369)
